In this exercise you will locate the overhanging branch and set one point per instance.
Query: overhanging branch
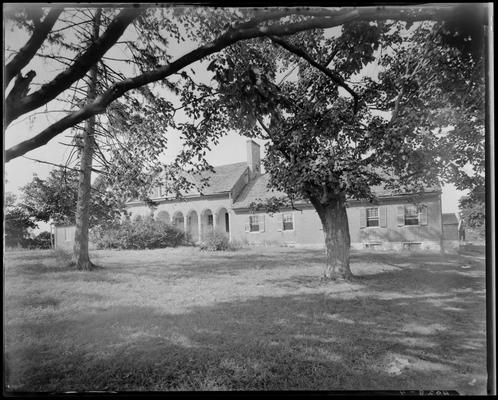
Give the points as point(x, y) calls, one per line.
point(332, 75)
point(230, 37)
point(28, 51)
point(77, 70)
point(60, 165)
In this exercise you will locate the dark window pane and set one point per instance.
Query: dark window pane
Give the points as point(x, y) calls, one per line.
point(411, 221)
point(254, 223)
point(373, 222)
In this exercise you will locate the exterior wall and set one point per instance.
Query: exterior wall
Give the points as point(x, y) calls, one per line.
point(64, 237)
point(393, 236)
point(450, 231)
point(308, 228)
point(450, 237)
point(200, 205)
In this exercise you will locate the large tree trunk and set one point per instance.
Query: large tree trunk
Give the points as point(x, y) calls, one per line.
point(80, 252)
point(337, 241)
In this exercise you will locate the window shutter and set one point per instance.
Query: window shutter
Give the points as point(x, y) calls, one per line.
point(280, 221)
point(383, 217)
point(401, 215)
point(363, 217)
point(261, 220)
point(422, 215)
point(247, 226)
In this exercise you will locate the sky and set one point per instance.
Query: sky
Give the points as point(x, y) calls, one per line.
point(19, 172)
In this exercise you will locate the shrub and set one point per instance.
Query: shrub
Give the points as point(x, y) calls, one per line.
point(41, 241)
point(141, 234)
point(215, 241)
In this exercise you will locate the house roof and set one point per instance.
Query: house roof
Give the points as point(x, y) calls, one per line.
point(222, 180)
point(257, 189)
point(450, 219)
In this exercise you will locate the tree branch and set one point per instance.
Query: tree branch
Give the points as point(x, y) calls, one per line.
point(28, 51)
point(60, 165)
point(78, 69)
point(332, 75)
point(230, 37)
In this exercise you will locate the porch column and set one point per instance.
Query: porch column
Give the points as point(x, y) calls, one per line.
point(185, 223)
point(215, 221)
point(199, 226)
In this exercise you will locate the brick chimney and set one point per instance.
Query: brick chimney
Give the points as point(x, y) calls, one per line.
point(253, 158)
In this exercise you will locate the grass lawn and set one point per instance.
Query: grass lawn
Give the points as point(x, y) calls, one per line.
point(253, 319)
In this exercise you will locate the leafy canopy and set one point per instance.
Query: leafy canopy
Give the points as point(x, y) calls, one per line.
point(55, 198)
point(332, 130)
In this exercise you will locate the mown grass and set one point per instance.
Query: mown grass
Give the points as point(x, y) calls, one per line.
point(253, 319)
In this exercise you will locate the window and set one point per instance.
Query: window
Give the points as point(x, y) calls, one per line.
point(253, 223)
point(411, 215)
point(373, 216)
point(288, 222)
point(210, 219)
point(373, 246)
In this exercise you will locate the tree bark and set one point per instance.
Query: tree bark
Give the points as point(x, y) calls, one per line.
point(337, 240)
point(24, 56)
point(81, 256)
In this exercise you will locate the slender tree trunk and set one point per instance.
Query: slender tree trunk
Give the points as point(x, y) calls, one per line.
point(80, 251)
point(337, 240)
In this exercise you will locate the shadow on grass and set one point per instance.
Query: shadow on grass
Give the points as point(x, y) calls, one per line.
point(430, 336)
point(40, 268)
point(232, 263)
point(417, 325)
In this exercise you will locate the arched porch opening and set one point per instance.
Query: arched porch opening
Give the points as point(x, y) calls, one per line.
point(223, 221)
point(178, 220)
point(193, 225)
point(163, 216)
point(207, 223)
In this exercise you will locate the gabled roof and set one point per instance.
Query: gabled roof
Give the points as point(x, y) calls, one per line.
point(222, 180)
point(450, 219)
point(257, 189)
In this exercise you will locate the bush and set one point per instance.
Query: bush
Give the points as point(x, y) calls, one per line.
point(215, 241)
point(41, 241)
point(141, 234)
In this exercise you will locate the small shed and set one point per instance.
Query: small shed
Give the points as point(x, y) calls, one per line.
point(450, 226)
point(64, 237)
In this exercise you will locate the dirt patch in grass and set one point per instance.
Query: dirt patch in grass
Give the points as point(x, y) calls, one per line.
point(254, 319)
